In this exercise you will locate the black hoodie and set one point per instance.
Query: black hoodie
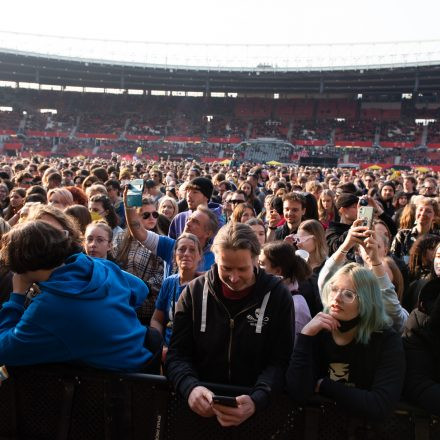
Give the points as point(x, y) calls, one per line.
point(250, 349)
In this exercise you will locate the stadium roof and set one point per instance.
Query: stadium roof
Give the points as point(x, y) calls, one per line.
point(411, 77)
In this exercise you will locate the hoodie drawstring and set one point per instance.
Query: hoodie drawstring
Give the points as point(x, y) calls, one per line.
point(262, 311)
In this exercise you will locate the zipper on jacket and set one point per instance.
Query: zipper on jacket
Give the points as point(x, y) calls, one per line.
point(231, 329)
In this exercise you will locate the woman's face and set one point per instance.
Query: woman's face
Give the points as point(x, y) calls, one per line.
point(3, 193)
point(424, 215)
point(149, 216)
point(437, 261)
point(167, 209)
point(266, 264)
point(306, 241)
point(327, 202)
point(260, 232)
point(247, 214)
point(97, 210)
point(403, 200)
point(97, 242)
point(16, 200)
point(343, 302)
point(55, 200)
point(187, 255)
point(247, 188)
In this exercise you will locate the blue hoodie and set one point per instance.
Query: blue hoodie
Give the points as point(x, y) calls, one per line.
point(85, 313)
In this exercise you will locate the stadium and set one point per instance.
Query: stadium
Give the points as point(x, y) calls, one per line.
point(280, 112)
point(383, 111)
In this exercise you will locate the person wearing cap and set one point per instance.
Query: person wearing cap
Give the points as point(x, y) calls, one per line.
point(347, 205)
point(198, 192)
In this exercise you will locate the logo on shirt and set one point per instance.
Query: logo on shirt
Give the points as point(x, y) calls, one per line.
point(252, 320)
point(339, 372)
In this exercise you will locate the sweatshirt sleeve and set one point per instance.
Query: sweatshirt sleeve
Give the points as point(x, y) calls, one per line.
point(24, 343)
point(379, 401)
point(272, 378)
point(178, 365)
point(301, 377)
point(392, 304)
point(420, 386)
point(328, 270)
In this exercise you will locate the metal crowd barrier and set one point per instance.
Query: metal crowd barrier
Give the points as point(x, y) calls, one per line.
point(62, 403)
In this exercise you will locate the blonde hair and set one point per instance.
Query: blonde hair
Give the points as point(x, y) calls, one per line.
point(65, 196)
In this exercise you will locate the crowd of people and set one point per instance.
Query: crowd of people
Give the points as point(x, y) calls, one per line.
point(272, 278)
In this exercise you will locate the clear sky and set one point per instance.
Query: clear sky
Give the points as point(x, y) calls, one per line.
point(227, 21)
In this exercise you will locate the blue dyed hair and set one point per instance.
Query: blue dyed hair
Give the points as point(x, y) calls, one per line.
point(373, 316)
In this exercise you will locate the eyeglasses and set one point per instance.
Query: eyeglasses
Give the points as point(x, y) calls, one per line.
point(236, 201)
point(348, 296)
point(98, 240)
point(146, 215)
point(299, 239)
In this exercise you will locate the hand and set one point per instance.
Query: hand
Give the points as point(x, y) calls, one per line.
point(372, 202)
point(371, 248)
point(21, 283)
point(274, 218)
point(290, 239)
point(200, 401)
point(318, 385)
point(321, 321)
point(356, 235)
point(228, 416)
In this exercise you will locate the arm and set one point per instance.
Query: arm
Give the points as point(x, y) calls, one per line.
point(178, 364)
point(158, 320)
point(271, 379)
point(377, 402)
point(392, 305)
point(355, 235)
point(420, 385)
point(137, 231)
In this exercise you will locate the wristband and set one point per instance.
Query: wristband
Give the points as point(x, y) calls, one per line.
point(378, 264)
point(272, 228)
point(343, 252)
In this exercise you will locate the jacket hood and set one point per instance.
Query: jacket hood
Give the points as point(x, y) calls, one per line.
point(80, 275)
point(215, 207)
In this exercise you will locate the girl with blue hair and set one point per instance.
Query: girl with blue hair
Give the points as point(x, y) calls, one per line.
point(350, 352)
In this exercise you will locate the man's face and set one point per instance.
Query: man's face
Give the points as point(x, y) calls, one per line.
point(221, 189)
point(293, 212)
point(332, 184)
point(197, 224)
point(191, 175)
point(350, 213)
point(429, 188)
point(408, 185)
point(194, 197)
point(155, 176)
point(236, 268)
point(369, 182)
point(387, 192)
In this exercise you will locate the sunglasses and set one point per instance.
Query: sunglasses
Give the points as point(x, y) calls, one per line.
point(146, 215)
point(236, 201)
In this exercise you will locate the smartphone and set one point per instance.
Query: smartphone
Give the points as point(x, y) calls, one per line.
point(225, 400)
point(366, 213)
point(134, 194)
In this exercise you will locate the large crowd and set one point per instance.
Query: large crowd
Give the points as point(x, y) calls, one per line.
point(278, 278)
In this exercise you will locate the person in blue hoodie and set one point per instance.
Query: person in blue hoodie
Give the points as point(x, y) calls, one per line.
point(85, 312)
point(198, 192)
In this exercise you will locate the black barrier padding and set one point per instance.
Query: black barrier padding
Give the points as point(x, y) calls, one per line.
point(44, 403)
point(7, 410)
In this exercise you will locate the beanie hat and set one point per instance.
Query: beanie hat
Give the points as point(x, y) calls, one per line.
point(202, 184)
point(345, 200)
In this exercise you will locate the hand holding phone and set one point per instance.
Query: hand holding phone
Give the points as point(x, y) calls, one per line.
point(225, 400)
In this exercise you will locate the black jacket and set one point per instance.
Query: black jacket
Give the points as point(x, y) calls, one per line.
point(364, 379)
point(231, 349)
point(283, 231)
point(335, 236)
